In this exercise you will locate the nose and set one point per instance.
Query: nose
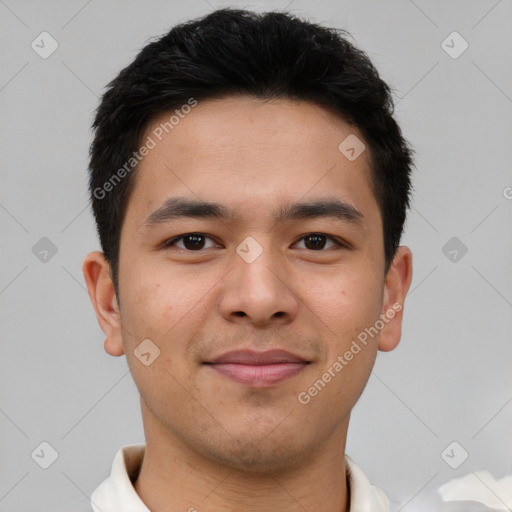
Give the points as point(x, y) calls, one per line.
point(258, 293)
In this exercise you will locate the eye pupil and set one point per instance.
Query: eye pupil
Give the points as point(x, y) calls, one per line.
point(318, 242)
point(197, 241)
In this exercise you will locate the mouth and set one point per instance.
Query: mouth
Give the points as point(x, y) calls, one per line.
point(258, 369)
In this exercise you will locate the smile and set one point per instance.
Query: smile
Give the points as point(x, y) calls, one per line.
point(258, 369)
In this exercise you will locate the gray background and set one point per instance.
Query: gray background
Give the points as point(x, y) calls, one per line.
point(449, 379)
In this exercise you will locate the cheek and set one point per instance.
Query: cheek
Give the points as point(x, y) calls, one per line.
point(168, 312)
point(348, 305)
point(145, 305)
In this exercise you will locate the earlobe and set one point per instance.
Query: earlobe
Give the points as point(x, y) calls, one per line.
point(398, 281)
point(101, 289)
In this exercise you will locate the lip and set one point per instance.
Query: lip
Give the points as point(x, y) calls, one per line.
point(258, 369)
point(251, 357)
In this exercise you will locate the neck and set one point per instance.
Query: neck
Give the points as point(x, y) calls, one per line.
point(175, 478)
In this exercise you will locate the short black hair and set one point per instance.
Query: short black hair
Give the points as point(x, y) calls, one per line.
point(238, 52)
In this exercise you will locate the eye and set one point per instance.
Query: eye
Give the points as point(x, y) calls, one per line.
point(191, 242)
point(317, 241)
point(197, 241)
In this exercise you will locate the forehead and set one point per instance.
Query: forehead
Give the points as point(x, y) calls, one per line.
point(251, 153)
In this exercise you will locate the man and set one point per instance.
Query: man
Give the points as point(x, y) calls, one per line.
point(250, 188)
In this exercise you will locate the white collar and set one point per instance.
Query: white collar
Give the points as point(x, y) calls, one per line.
point(116, 493)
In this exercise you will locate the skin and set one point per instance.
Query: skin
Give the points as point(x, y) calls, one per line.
point(211, 443)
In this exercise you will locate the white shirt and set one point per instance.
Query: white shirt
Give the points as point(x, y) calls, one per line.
point(117, 494)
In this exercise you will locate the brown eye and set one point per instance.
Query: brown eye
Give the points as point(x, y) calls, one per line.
point(318, 241)
point(190, 242)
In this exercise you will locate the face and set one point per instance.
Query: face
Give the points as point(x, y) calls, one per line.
point(253, 273)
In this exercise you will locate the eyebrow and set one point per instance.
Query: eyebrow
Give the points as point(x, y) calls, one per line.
point(177, 207)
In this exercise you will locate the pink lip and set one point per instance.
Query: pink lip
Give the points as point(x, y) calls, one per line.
point(258, 369)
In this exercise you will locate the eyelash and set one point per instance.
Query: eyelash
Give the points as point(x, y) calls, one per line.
point(172, 241)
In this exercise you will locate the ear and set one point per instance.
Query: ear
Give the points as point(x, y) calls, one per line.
point(396, 286)
point(98, 277)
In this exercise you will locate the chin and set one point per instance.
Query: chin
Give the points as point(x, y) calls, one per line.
point(258, 458)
